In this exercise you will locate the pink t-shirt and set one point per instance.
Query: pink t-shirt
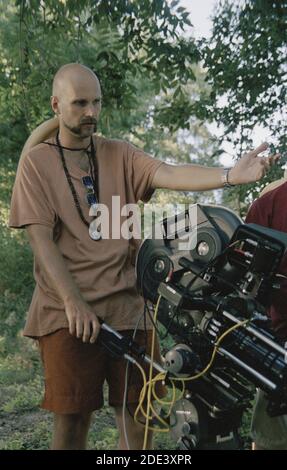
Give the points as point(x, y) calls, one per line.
point(103, 270)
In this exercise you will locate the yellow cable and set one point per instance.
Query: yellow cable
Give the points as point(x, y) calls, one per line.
point(140, 407)
point(200, 374)
point(150, 373)
point(151, 384)
point(151, 390)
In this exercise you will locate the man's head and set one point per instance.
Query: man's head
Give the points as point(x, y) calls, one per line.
point(76, 100)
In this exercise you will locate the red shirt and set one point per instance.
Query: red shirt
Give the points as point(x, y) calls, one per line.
point(269, 211)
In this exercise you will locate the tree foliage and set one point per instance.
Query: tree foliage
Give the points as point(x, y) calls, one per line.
point(137, 49)
point(246, 67)
point(123, 41)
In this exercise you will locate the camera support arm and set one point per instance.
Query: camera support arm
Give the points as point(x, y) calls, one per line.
point(119, 345)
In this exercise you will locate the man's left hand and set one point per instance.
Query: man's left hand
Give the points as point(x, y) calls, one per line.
point(251, 167)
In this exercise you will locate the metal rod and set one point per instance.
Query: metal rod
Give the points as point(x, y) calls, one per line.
point(146, 358)
point(257, 334)
point(249, 369)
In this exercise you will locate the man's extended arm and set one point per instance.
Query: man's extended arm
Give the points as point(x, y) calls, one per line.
point(188, 177)
point(82, 320)
point(248, 169)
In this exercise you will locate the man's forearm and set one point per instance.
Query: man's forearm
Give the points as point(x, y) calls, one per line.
point(190, 178)
point(249, 168)
point(195, 177)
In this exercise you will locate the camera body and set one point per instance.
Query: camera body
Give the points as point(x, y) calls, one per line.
point(214, 298)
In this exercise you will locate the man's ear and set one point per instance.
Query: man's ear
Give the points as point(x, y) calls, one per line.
point(55, 105)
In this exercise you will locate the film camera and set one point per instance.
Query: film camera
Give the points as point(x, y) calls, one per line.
point(214, 296)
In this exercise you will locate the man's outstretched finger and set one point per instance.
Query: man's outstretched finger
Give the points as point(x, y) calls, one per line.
point(259, 149)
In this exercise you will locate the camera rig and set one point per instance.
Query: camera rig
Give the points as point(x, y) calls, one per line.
point(214, 298)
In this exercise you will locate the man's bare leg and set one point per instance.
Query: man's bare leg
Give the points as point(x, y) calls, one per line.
point(70, 431)
point(135, 432)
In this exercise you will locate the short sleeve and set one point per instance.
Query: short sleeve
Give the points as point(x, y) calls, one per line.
point(30, 203)
point(142, 168)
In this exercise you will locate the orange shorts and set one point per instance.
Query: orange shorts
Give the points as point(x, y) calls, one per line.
point(75, 373)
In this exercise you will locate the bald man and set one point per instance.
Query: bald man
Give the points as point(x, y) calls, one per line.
point(66, 170)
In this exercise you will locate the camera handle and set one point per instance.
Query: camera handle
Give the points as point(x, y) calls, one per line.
point(119, 345)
